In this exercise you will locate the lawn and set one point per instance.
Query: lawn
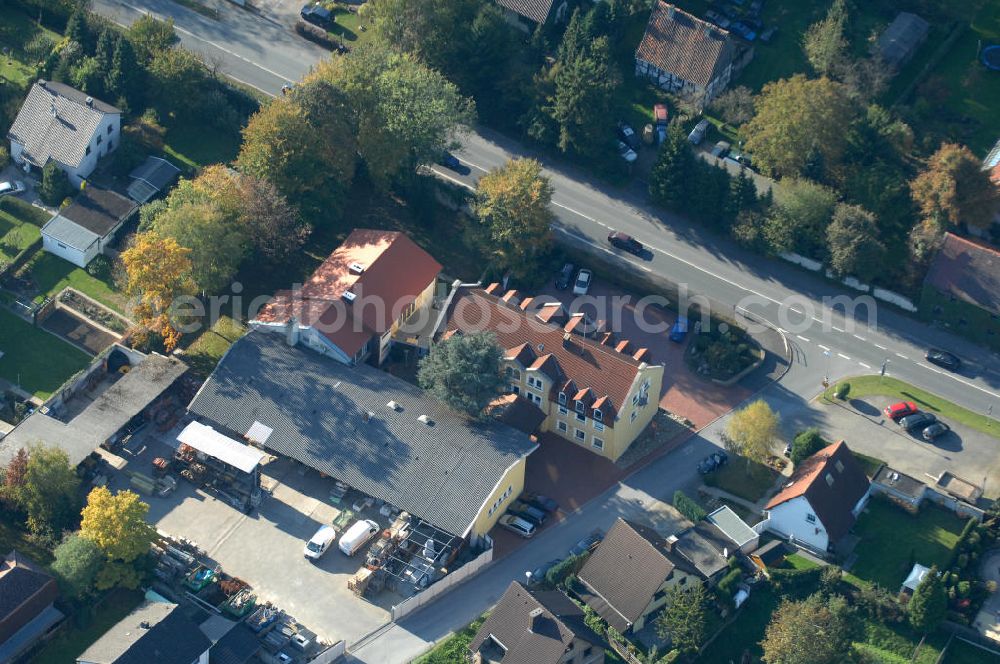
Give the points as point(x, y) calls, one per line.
point(16, 30)
point(892, 540)
point(14, 538)
point(193, 146)
point(864, 386)
point(746, 632)
point(37, 360)
point(960, 652)
point(206, 351)
point(795, 561)
point(900, 643)
point(454, 648)
point(71, 642)
point(51, 274)
point(20, 225)
point(734, 478)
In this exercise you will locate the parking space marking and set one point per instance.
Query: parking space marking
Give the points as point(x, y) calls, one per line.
point(902, 356)
point(843, 356)
point(838, 329)
point(826, 348)
point(864, 365)
point(859, 337)
point(802, 337)
point(880, 347)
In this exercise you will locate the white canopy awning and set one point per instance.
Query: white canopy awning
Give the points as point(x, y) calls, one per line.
point(209, 441)
point(917, 575)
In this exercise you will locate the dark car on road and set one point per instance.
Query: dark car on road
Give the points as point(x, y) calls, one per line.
point(917, 422)
point(565, 277)
point(935, 430)
point(538, 574)
point(944, 359)
point(713, 461)
point(316, 14)
point(626, 242)
point(587, 543)
point(450, 161)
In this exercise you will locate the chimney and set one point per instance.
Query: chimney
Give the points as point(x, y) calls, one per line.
point(144, 624)
point(52, 109)
point(426, 420)
point(536, 620)
point(292, 331)
point(356, 268)
point(90, 102)
point(367, 416)
point(567, 341)
point(671, 543)
point(42, 82)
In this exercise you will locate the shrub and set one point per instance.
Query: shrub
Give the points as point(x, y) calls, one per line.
point(843, 390)
point(805, 444)
point(4, 156)
point(55, 184)
point(559, 573)
point(688, 507)
point(796, 583)
point(100, 267)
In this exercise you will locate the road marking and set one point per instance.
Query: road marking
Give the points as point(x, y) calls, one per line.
point(902, 356)
point(927, 366)
point(843, 356)
point(476, 166)
point(802, 337)
point(864, 365)
point(839, 329)
point(880, 347)
point(859, 337)
point(826, 348)
point(451, 179)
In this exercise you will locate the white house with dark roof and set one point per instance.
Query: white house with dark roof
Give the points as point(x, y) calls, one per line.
point(687, 56)
point(82, 231)
point(60, 123)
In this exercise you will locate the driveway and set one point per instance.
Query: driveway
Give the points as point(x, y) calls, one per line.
point(968, 453)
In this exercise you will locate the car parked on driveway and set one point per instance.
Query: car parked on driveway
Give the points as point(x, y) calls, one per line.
point(713, 461)
point(627, 134)
point(540, 501)
point(538, 574)
point(626, 242)
point(316, 14)
point(935, 430)
point(528, 512)
point(721, 149)
point(944, 359)
point(450, 161)
point(583, 280)
point(319, 543)
point(565, 276)
point(697, 134)
point(917, 422)
point(11, 187)
point(517, 525)
point(588, 543)
point(660, 115)
point(626, 153)
point(898, 411)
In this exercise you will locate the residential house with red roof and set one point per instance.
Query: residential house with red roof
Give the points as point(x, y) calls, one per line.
point(962, 289)
point(27, 614)
point(586, 385)
point(688, 56)
point(821, 501)
point(357, 299)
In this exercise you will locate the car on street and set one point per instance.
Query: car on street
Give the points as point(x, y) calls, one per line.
point(528, 512)
point(935, 431)
point(721, 149)
point(583, 280)
point(697, 134)
point(588, 543)
point(316, 14)
point(11, 187)
point(944, 359)
point(628, 135)
point(898, 411)
point(713, 461)
point(517, 525)
point(538, 574)
point(917, 422)
point(450, 161)
point(540, 501)
point(626, 153)
point(565, 276)
point(679, 329)
point(625, 242)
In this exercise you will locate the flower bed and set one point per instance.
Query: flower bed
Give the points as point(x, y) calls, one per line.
point(92, 311)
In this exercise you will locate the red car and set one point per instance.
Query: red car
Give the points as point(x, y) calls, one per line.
point(900, 410)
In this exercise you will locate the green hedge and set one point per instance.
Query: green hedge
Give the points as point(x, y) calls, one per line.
point(24, 211)
point(688, 507)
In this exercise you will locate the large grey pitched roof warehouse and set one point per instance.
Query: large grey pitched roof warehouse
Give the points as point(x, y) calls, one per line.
point(337, 419)
point(57, 122)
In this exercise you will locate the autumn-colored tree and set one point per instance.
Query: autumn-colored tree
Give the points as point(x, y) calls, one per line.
point(752, 432)
point(512, 206)
point(157, 271)
point(824, 42)
point(953, 188)
point(13, 477)
point(116, 523)
point(813, 631)
point(796, 116)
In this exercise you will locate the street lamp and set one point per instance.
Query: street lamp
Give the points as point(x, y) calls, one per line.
point(826, 378)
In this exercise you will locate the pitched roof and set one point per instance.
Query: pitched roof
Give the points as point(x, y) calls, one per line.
point(155, 633)
point(336, 419)
point(536, 10)
point(968, 271)
point(832, 501)
point(92, 215)
point(20, 580)
point(394, 271)
point(684, 45)
point(902, 37)
point(543, 346)
point(516, 411)
point(63, 135)
point(534, 627)
point(625, 571)
point(150, 177)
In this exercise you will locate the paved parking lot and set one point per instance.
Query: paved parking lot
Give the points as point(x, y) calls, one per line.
point(264, 548)
point(970, 454)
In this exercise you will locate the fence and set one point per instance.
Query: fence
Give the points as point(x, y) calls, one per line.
point(331, 654)
point(465, 571)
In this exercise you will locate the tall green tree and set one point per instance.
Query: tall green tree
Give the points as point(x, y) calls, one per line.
point(464, 372)
point(125, 75)
point(794, 116)
point(149, 35)
point(929, 603)
point(77, 562)
point(813, 631)
point(798, 219)
point(48, 495)
point(742, 195)
point(512, 205)
point(671, 181)
point(76, 26)
point(853, 243)
point(824, 42)
point(582, 104)
point(684, 619)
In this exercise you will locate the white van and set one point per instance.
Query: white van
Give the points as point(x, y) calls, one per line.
point(320, 542)
point(357, 536)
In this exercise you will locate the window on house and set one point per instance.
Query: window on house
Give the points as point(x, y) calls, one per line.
point(513, 373)
point(87, 151)
point(99, 139)
point(580, 406)
point(581, 418)
point(514, 389)
point(633, 416)
point(839, 466)
point(598, 415)
point(110, 127)
point(829, 479)
point(811, 518)
point(563, 411)
point(598, 426)
point(562, 426)
point(598, 443)
point(562, 398)
point(61, 245)
point(580, 435)
point(111, 145)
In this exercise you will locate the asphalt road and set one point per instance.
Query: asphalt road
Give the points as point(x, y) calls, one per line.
point(262, 51)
